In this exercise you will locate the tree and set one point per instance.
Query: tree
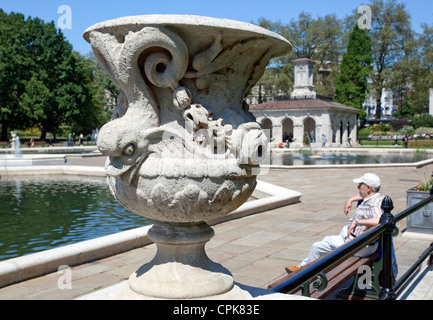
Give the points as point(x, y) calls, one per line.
point(420, 71)
point(405, 111)
point(53, 70)
point(278, 77)
point(319, 39)
point(422, 120)
point(351, 84)
point(390, 35)
point(14, 66)
point(107, 91)
point(43, 82)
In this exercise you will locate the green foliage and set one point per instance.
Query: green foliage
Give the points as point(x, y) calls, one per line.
point(420, 155)
point(366, 130)
point(424, 185)
point(306, 140)
point(423, 130)
point(382, 128)
point(12, 56)
point(320, 39)
point(423, 120)
point(391, 35)
point(405, 111)
point(376, 130)
point(305, 152)
point(351, 84)
point(419, 68)
point(400, 57)
point(406, 130)
point(43, 82)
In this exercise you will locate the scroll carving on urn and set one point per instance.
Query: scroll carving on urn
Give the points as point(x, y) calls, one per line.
point(182, 145)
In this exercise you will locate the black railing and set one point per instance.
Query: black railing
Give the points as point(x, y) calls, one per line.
point(404, 279)
point(387, 226)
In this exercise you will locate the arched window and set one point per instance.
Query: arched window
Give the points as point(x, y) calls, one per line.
point(267, 126)
point(287, 125)
point(310, 128)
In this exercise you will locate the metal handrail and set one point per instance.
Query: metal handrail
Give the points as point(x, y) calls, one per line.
point(385, 230)
point(415, 207)
point(329, 260)
point(400, 285)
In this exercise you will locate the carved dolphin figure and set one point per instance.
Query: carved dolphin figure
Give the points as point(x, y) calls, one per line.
point(127, 148)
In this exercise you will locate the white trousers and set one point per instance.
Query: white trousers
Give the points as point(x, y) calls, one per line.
point(328, 244)
point(331, 243)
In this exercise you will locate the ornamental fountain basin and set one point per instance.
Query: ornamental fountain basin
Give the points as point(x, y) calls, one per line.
point(10, 160)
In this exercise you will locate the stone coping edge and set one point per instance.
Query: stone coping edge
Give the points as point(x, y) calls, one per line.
point(41, 263)
point(44, 262)
point(55, 150)
point(52, 170)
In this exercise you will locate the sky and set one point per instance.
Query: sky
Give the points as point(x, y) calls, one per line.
point(85, 13)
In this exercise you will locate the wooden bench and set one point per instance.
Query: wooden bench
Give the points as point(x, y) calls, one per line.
point(337, 275)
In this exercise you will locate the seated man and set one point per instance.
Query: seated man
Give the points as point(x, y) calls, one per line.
point(367, 215)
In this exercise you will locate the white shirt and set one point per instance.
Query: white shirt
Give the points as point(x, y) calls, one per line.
point(369, 208)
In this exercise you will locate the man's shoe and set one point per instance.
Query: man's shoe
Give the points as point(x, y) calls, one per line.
point(291, 269)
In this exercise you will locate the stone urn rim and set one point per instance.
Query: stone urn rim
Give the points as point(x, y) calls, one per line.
point(190, 20)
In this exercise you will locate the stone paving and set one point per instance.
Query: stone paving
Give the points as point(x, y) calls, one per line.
point(258, 247)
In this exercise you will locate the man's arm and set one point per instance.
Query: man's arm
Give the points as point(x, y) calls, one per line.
point(348, 204)
point(372, 222)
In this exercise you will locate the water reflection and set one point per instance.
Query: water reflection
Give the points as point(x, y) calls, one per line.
point(42, 213)
point(330, 158)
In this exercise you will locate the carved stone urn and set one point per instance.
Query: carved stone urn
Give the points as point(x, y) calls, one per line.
point(182, 146)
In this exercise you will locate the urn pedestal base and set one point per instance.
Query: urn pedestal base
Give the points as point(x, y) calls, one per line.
point(180, 269)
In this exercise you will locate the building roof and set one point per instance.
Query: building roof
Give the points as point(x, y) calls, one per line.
point(307, 104)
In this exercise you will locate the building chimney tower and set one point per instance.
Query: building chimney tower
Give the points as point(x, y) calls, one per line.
point(304, 87)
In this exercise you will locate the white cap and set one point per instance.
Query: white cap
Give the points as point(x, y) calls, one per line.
point(369, 179)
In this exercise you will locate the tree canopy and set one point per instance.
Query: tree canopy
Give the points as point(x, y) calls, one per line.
point(320, 39)
point(402, 60)
point(391, 34)
point(351, 84)
point(43, 82)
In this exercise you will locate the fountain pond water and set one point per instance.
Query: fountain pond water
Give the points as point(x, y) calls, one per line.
point(342, 157)
point(41, 213)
